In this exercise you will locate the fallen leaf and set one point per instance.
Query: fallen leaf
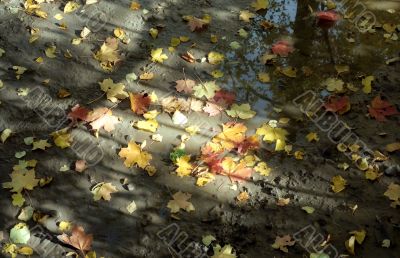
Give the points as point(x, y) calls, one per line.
point(393, 147)
point(338, 184)
point(367, 83)
point(380, 109)
point(212, 109)
point(184, 167)
point(20, 180)
point(20, 234)
point(114, 91)
point(242, 111)
point(134, 155)
point(131, 208)
point(158, 56)
point(108, 55)
point(139, 102)
point(282, 48)
point(260, 4)
point(185, 85)
point(180, 201)
point(282, 243)
point(207, 89)
point(78, 239)
point(80, 165)
point(71, 6)
point(41, 144)
point(246, 15)
point(215, 58)
point(338, 105)
point(103, 191)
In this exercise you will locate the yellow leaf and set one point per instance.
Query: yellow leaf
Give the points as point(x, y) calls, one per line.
point(263, 169)
point(71, 6)
point(151, 114)
point(50, 52)
point(217, 74)
point(299, 155)
point(5, 134)
point(312, 137)
point(184, 38)
point(151, 170)
point(115, 91)
point(119, 33)
point(103, 191)
point(393, 192)
point(134, 155)
point(153, 32)
point(288, 71)
point(41, 14)
point(264, 77)
point(246, 15)
point(359, 235)
point(230, 135)
point(339, 184)
point(58, 17)
point(184, 166)
point(180, 201)
point(215, 58)
point(150, 125)
point(62, 139)
point(350, 244)
point(135, 6)
point(25, 250)
point(333, 84)
point(18, 199)
point(273, 134)
point(260, 4)
point(24, 179)
point(243, 197)
point(393, 147)
point(64, 226)
point(367, 83)
point(158, 56)
point(41, 144)
point(213, 38)
point(39, 60)
point(175, 42)
point(205, 179)
point(146, 76)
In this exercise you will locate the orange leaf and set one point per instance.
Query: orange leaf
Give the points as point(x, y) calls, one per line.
point(139, 103)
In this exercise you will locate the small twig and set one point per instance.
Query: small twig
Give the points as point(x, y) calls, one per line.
point(96, 99)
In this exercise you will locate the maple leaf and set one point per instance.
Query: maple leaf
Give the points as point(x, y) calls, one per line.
point(22, 179)
point(380, 109)
point(211, 158)
point(224, 98)
point(206, 89)
point(185, 85)
point(195, 104)
point(108, 55)
point(106, 121)
point(282, 243)
point(171, 104)
point(212, 109)
point(184, 166)
point(245, 15)
point(180, 201)
point(134, 155)
point(115, 91)
point(250, 143)
point(197, 24)
point(242, 111)
point(338, 105)
point(236, 172)
point(231, 135)
point(224, 252)
point(78, 239)
point(41, 144)
point(62, 139)
point(282, 48)
point(139, 102)
point(273, 134)
point(158, 56)
point(260, 4)
point(263, 169)
point(103, 191)
point(78, 113)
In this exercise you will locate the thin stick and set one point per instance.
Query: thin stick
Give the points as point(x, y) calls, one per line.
point(90, 102)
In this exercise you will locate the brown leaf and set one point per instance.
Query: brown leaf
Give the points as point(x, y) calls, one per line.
point(139, 103)
point(80, 165)
point(79, 239)
point(185, 85)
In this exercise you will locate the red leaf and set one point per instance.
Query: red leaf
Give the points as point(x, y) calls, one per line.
point(282, 48)
point(212, 159)
point(79, 239)
point(78, 113)
point(241, 174)
point(250, 143)
point(338, 104)
point(139, 102)
point(327, 18)
point(224, 98)
point(380, 109)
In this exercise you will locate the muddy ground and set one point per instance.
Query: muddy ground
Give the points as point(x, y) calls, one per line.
point(250, 228)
